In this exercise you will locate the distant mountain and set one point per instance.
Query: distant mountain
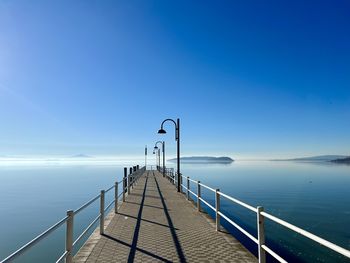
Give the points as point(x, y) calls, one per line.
point(320, 158)
point(81, 156)
point(203, 159)
point(345, 160)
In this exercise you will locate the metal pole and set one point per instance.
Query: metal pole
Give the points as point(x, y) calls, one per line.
point(69, 236)
point(124, 189)
point(261, 235)
point(217, 209)
point(129, 176)
point(116, 197)
point(163, 158)
point(125, 182)
point(159, 160)
point(178, 155)
point(102, 212)
point(198, 196)
point(188, 188)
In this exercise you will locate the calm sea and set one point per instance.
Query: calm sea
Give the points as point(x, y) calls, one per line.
point(313, 196)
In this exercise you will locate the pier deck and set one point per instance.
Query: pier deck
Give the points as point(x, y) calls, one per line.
point(157, 224)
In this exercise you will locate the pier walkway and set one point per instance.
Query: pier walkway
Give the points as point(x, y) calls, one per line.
point(158, 224)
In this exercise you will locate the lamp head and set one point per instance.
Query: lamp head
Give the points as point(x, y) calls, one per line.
point(156, 147)
point(161, 131)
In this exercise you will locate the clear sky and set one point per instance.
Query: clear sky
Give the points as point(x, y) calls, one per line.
point(247, 78)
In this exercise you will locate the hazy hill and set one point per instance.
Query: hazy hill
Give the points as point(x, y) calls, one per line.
point(342, 160)
point(320, 158)
point(204, 159)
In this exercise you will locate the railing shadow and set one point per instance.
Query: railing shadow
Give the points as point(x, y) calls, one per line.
point(176, 241)
point(136, 248)
point(146, 220)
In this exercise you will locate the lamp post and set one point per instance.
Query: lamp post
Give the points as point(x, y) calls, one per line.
point(163, 150)
point(177, 138)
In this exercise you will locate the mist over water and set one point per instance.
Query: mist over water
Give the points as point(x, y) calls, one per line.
point(312, 196)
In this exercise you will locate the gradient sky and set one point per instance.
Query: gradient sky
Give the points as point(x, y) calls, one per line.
point(247, 78)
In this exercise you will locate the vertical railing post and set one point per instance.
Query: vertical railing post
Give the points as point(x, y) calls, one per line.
point(198, 196)
point(124, 188)
point(102, 212)
point(180, 178)
point(69, 236)
point(116, 197)
point(129, 181)
point(188, 188)
point(217, 209)
point(261, 234)
point(130, 178)
point(125, 182)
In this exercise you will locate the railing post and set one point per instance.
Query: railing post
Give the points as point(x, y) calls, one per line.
point(188, 188)
point(116, 197)
point(124, 189)
point(102, 212)
point(217, 209)
point(198, 196)
point(69, 236)
point(180, 178)
point(261, 234)
point(130, 178)
point(129, 181)
point(125, 182)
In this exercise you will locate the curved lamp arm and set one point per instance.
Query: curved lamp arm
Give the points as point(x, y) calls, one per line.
point(176, 128)
point(156, 147)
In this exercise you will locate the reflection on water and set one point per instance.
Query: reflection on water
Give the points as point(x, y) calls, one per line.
point(313, 196)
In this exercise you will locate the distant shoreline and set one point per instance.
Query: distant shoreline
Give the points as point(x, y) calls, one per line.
point(321, 158)
point(204, 159)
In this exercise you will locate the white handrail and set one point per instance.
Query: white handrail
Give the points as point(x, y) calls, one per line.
point(193, 193)
point(31, 243)
point(34, 241)
point(274, 254)
point(309, 235)
point(62, 256)
point(86, 229)
point(86, 204)
point(205, 202)
point(294, 228)
point(209, 188)
point(238, 227)
point(238, 202)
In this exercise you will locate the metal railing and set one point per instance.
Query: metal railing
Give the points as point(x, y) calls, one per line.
point(260, 218)
point(128, 182)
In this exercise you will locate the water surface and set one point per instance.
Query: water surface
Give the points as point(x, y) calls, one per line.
point(313, 196)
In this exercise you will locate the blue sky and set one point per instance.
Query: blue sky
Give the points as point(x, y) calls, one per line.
point(247, 78)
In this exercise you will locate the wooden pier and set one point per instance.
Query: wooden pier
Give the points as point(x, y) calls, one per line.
point(158, 224)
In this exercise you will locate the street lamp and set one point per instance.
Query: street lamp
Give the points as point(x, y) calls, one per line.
point(163, 150)
point(177, 138)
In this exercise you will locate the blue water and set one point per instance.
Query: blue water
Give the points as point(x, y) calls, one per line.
point(313, 196)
